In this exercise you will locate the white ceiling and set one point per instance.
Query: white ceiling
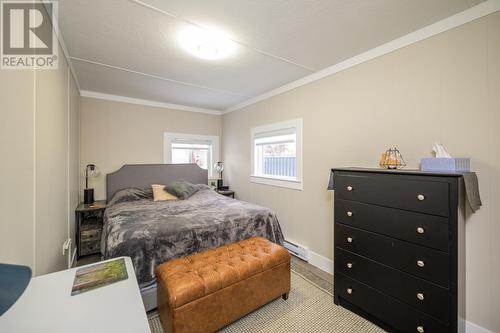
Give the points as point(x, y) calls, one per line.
point(129, 47)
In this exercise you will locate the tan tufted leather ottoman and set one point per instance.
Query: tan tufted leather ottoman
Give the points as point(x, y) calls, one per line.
point(204, 292)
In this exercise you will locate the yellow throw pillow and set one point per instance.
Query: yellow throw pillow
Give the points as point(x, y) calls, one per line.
point(159, 193)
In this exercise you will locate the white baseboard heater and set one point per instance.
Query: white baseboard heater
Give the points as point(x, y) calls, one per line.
point(297, 250)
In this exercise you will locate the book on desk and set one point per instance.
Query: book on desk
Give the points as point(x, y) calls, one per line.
point(99, 275)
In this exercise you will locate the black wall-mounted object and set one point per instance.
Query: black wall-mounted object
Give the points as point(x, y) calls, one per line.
point(399, 247)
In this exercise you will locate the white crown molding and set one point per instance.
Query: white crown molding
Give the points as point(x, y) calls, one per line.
point(449, 23)
point(476, 12)
point(123, 69)
point(138, 101)
point(55, 26)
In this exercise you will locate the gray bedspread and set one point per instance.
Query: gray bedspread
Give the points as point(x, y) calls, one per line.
point(154, 232)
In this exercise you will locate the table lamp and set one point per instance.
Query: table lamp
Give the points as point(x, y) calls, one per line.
point(219, 167)
point(88, 193)
point(13, 281)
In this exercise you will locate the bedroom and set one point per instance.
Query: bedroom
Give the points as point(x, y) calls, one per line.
point(322, 84)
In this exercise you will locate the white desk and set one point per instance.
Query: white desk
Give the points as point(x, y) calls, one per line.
point(47, 306)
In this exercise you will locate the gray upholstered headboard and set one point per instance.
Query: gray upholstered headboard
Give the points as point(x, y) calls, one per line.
point(138, 175)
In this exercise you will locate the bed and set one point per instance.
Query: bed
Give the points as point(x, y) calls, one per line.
point(154, 232)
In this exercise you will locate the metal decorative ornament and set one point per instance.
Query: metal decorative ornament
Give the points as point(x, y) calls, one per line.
point(392, 159)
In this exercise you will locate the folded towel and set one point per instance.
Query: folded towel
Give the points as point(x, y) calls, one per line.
point(330, 182)
point(472, 190)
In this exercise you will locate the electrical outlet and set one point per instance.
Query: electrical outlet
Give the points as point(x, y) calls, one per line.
point(66, 246)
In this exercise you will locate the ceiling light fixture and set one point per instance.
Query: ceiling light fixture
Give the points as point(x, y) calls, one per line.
point(206, 43)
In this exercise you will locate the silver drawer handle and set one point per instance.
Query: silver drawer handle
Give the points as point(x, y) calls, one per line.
point(349, 265)
point(420, 296)
point(420, 230)
point(420, 329)
point(349, 239)
point(420, 263)
point(421, 197)
point(350, 188)
point(349, 291)
point(349, 214)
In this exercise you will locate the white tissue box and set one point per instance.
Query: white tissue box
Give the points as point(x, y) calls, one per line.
point(445, 164)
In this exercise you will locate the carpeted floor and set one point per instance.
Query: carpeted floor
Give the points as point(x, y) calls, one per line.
point(310, 308)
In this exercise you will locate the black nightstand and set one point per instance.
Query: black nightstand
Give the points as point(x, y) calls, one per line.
point(89, 221)
point(227, 193)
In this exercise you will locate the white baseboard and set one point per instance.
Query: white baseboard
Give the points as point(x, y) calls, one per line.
point(326, 265)
point(321, 262)
point(73, 259)
point(470, 327)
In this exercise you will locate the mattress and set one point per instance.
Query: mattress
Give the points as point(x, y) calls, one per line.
point(154, 232)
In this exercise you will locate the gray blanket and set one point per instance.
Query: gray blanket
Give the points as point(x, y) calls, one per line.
point(154, 232)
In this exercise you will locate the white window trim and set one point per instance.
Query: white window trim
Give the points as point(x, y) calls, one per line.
point(276, 180)
point(168, 137)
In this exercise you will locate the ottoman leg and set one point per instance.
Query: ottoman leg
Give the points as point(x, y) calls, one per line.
point(285, 296)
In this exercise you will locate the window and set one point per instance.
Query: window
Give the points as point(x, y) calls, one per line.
point(277, 154)
point(188, 148)
point(198, 153)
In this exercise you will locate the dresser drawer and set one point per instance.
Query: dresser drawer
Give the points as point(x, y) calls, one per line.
point(395, 313)
point(418, 195)
point(422, 295)
point(414, 259)
point(424, 229)
point(89, 247)
point(90, 235)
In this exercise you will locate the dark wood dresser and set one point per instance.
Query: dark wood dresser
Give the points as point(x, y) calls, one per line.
point(400, 248)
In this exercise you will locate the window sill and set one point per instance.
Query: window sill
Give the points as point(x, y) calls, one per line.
point(292, 184)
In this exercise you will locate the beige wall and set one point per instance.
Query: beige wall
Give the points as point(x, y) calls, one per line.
point(57, 165)
point(39, 135)
point(74, 158)
point(16, 166)
point(444, 89)
point(115, 133)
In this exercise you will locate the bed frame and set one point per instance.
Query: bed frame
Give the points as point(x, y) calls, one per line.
point(140, 175)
